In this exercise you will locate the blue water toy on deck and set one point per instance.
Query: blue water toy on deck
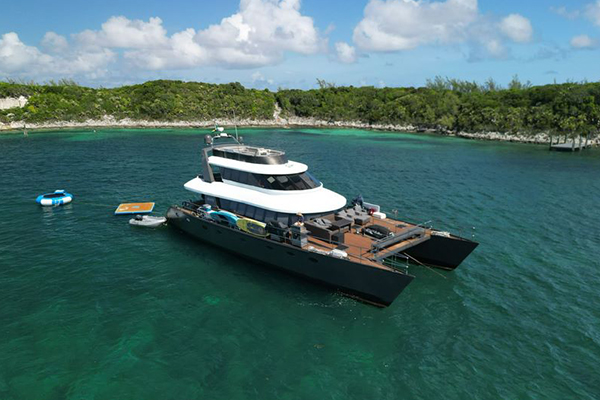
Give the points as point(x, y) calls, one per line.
point(224, 217)
point(58, 198)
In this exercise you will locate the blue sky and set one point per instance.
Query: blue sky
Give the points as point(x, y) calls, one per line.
point(290, 43)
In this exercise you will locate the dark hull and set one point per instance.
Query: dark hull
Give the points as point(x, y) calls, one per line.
point(442, 252)
point(374, 285)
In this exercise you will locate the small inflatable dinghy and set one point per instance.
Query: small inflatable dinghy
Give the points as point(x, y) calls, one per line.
point(147, 221)
point(58, 198)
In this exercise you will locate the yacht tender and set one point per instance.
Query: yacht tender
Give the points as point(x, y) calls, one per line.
point(256, 203)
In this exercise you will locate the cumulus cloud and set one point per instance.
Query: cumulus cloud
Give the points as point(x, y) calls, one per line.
point(177, 51)
point(592, 11)
point(582, 42)
point(54, 43)
point(396, 25)
point(405, 24)
point(16, 58)
point(125, 33)
point(15, 55)
point(345, 53)
point(259, 34)
point(517, 28)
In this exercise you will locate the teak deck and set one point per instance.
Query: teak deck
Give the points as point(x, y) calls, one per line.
point(358, 246)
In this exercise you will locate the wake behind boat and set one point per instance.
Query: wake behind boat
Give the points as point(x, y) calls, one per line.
point(254, 202)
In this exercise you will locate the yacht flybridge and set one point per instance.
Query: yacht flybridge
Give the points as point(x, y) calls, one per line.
point(256, 203)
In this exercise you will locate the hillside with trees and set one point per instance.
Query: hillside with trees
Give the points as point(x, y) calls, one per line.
point(454, 105)
point(156, 101)
point(444, 104)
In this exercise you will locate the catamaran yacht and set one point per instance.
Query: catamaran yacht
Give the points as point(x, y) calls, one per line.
point(256, 203)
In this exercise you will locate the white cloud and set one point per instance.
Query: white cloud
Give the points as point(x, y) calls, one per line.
point(16, 58)
point(563, 12)
point(345, 53)
point(393, 25)
point(495, 48)
point(259, 34)
point(592, 11)
point(178, 51)
point(120, 32)
point(396, 25)
point(517, 28)
point(582, 42)
point(259, 79)
point(15, 55)
point(54, 43)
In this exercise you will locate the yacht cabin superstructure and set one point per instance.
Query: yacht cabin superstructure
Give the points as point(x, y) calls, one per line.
point(260, 183)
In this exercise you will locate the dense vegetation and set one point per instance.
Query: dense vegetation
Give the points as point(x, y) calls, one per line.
point(456, 105)
point(156, 100)
point(443, 104)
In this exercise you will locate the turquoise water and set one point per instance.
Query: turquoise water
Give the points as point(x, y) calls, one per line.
point(92, 308)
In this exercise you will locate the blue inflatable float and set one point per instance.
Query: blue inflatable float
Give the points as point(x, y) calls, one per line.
point(58, 198)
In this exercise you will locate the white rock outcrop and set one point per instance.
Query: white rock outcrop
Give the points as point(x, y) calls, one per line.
point(12, 102)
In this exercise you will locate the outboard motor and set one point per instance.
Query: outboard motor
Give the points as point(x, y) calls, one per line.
point(208, 140)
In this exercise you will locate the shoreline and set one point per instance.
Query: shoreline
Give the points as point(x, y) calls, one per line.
point(541, 138)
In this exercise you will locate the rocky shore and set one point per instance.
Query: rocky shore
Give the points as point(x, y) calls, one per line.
point(276, 122)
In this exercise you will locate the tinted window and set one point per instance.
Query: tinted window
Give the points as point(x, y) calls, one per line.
point(260, 214)
point(210, 200)
point(302, 181)
point(269, 215)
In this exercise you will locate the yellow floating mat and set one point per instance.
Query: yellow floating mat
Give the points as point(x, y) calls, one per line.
point(134, 208)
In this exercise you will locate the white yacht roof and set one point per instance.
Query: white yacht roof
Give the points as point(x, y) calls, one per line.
point(318, 200)
point(290, 167)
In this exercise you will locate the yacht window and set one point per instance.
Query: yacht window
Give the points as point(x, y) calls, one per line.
point(298, 183)
point(241, 208)
point(301, 181)
point(260, 214)
point(269, 215)
point(210, 200)
point(254, 180)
